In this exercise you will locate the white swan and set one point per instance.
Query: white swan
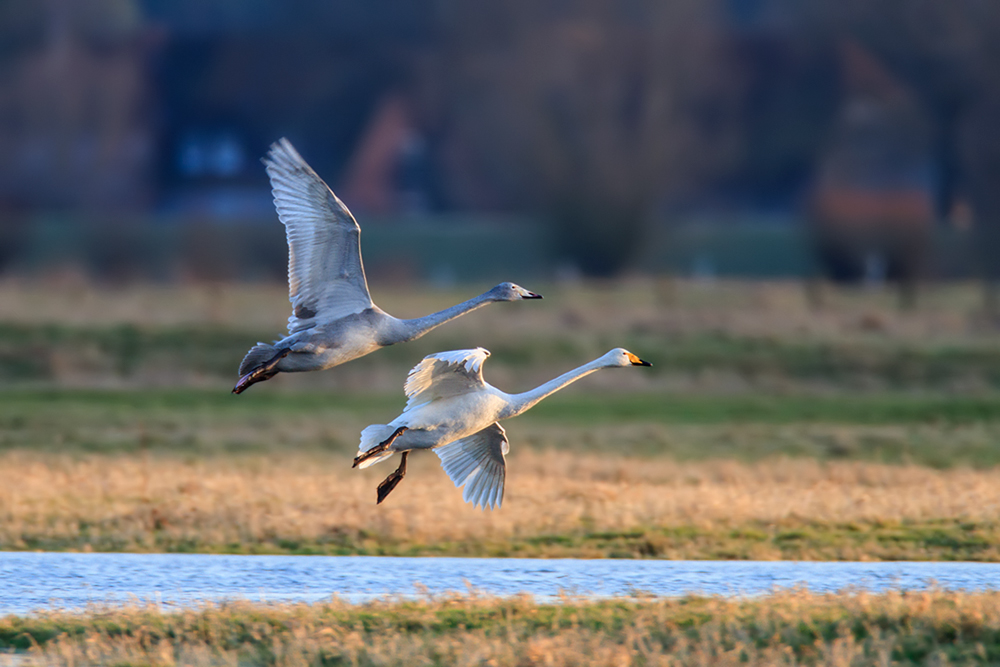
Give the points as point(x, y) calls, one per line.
point(333, 318)
point(453, 411)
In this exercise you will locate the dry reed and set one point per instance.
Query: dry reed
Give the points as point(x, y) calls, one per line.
point(557, 504)
point(726, 337)
point(783, 309)
point(784, 628)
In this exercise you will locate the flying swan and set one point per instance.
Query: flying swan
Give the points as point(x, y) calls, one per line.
point(333, 318)
point(453, 411)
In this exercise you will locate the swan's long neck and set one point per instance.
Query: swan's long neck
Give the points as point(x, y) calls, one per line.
point(521, 402)
point(417, 327)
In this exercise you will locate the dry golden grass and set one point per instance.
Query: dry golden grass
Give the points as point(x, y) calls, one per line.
point(725, 337)
point(740, 308)
point(270, 496)
point(785, 628)
point(557, 504)
point(719, 337)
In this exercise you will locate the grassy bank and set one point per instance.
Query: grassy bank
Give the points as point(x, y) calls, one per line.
point(934, 430)
point(572, 406)
point(63, 355)
point(720, 338)
point(557, 504)
point(790, 627)
point(772, 426)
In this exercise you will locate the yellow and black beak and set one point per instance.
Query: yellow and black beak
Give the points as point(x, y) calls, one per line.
point(636, 361)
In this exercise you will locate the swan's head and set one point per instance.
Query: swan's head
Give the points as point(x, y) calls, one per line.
point(622, 357)
point(511, 292)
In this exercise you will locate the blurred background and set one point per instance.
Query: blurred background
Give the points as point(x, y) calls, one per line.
point(754, 138)
point(791, 207)
point(666, 171)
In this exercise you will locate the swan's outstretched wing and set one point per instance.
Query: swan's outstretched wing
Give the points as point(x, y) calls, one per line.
point(326, 279)
point(477, 461)
point(445, 374)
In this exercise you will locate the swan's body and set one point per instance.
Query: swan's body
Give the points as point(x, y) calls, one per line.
point(454, 412)
point(333, 317)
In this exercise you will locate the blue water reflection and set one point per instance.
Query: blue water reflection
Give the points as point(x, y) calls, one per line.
point(30, 581)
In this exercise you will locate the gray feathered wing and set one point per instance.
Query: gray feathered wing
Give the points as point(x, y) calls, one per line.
point(326, 278)
point(478, 463)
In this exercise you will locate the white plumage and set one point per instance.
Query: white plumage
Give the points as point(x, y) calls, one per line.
point(445, 374)
point(477, 462)
point(453, 411)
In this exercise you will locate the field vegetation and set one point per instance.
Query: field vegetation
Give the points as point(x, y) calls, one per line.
point(558, 504)
point(727, 337)
point(770, 427)
point(792, 627)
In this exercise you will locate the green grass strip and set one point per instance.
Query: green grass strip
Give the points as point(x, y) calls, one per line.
point(882, 408)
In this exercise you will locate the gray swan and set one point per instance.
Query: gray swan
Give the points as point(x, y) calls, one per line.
point(333, 318)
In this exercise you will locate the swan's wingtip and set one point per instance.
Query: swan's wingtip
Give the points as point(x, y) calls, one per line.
point(281, 149)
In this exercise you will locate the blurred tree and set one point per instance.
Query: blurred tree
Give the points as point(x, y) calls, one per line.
point(76, 126)
point(593, 112)
point(949, 52)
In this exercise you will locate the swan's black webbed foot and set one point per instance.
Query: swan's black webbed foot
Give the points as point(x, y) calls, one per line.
point(390, 482)
point(265, 371)
point(380, 447)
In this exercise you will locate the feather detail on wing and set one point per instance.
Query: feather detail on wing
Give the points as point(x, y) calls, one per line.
point(477, 462)
point(326, 279)
point(445, 374)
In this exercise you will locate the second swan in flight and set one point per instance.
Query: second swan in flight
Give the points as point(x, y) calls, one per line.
point(453, 411)
point(333, 318)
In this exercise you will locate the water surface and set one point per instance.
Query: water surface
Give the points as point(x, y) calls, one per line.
point(32, 581)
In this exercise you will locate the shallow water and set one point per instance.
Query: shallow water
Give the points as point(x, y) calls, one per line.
point(32, 581)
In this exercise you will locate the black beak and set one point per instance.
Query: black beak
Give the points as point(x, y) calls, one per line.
point(532, 295)
point(641, 363)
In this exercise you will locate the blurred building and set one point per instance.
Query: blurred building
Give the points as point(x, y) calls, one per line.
point(576, 113)
point(388, 172)
point(873, 202)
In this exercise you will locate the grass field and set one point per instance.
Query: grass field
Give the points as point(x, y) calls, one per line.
point(770, 427)
point(557, 504)
point(725, 338)
point(783, 628)
point(897, 477)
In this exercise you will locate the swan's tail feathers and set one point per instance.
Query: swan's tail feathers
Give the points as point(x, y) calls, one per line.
point(259, 364)
point(477, 463)
point(258, 355)
point(372, 436)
